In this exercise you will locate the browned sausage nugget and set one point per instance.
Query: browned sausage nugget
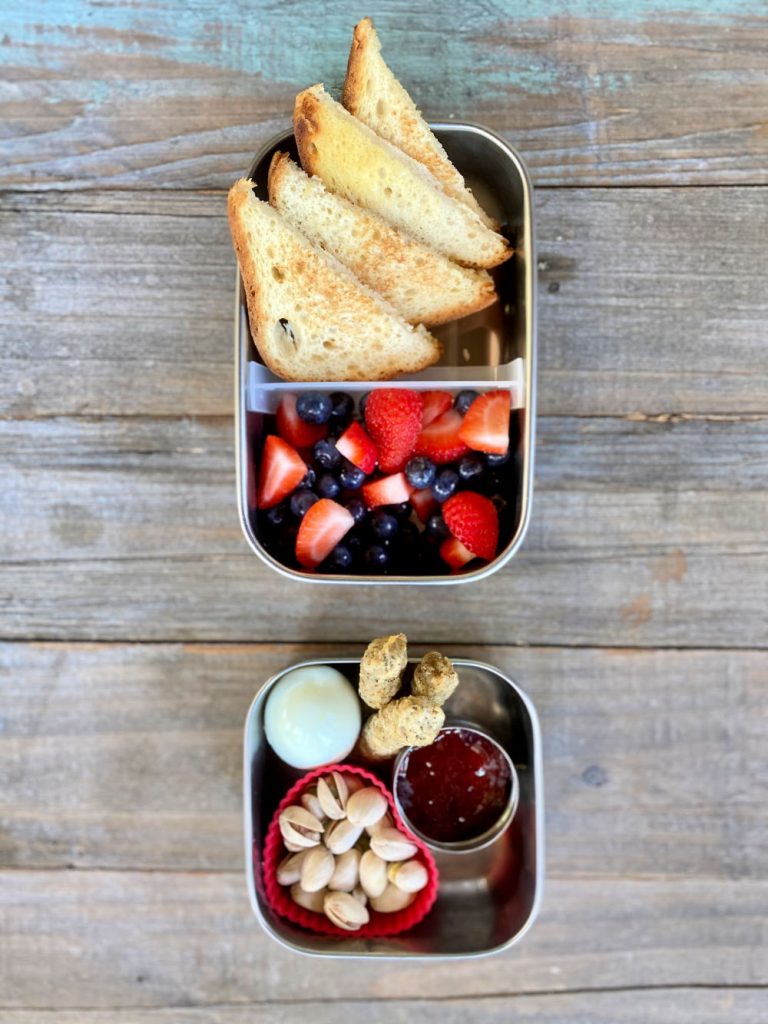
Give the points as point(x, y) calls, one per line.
point(435, 677)
point(407, 722)
point(381, 669)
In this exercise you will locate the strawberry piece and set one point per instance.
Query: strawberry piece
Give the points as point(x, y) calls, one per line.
point(454, 553)
point(473, 519)
point(425, 503)
point(355, 445)
point(393, 419)
point(293, 429)
point(435, 404)
point(322, 527)
point(282, 469)
point(389, 490)
point(486, 423)
point(440, 441)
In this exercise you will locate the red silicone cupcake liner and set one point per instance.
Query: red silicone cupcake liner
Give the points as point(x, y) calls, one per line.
point(380, 925)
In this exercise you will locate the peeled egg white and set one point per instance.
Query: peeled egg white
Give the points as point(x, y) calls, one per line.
point(312, 717)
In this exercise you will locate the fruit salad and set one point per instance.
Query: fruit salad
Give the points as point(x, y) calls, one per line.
point(403, 482)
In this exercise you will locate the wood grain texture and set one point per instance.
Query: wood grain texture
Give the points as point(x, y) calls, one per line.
point(126, 529)
point(650, 300)
point(122, 939)
point(180, 95)
point(654, 761)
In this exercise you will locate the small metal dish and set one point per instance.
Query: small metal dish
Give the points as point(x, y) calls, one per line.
point(495, 348)
point(488, 898)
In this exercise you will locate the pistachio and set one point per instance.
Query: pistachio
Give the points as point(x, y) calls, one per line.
point(308, 900)
point(317, 869)
point(300, 827)
point(310, 802)
point(391, 844)
point(408, 876)
point(292, 847)
point(392, 899)
point(342, 836)
point(366, 806)
point(343, 910)
point(360, 896)
point(346, 872)
point(332, 794)
point(373, 873)
point(384, 822)
point(289, 869)
point(354, 782)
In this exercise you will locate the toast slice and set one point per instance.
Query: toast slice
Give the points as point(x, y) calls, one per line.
point(377, 98)
point(356, 163)
point(310, 317)
point(423, 285)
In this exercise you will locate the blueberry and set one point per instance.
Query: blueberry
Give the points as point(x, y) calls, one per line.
point(327, 456)
point(363, 403)
point(470, 467)
point(340, 558)
point(302, 501)
point(377, 557)
point(496, 460)
point(402, 511)
point(354, 542)
point(278, 514)
point(357, 508)
point(313, 407)
point(436, 526)
point(309, 478)
point(383, 524)
point(342, 407)
point(328, 486)
point(420, 472)
point(464, 399)
point(444, 484)
point(350, 476)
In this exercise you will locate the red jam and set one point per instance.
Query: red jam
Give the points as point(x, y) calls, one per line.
point(455, 789)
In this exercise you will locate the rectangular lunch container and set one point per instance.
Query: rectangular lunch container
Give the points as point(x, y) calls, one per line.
point(493, 348)
point(488, 899)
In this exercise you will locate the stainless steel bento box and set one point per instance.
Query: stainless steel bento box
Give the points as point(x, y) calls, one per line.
point(493, 348)
point(488, 899)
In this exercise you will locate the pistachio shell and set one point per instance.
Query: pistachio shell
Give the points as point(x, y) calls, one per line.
point(391, 844)
point(343, 910)
point(300, 827)
point(346, 872)
point(409, 875)
point(308, 900)
point(373, 873)
point(360, 896)
point(342, 836)
point(332, 795)
point(354, 782)
point(289, 869)
point(383, 822)
point(392, 899)
point(292, 847)
point(366, 806)
point(310, 802)
point(317, 869)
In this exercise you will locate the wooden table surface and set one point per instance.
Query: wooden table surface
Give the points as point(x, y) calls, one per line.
point(136, 625)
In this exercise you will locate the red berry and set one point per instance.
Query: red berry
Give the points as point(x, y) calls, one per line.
point(486, 423)
point(474, 521)
point(355, 445)
point(390, 490)
point(293, 429)
point(454, 553)
point(424, 502)
point(393, 419)
point(322, 527)
point(440, 441)
point(435, 404)
point(282, 469)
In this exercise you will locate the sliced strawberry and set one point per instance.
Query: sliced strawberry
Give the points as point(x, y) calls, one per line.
point(321, 529)
point(473, 519)
point(393, 419)
point(435, 404)
point(282, 469)
point(486, 423)
point(425, 503)
point(355, 445)
point(440, 441)
point(293, 429)
point(454, 553)
point(390, 490)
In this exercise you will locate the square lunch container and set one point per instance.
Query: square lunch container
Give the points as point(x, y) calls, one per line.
point(488, 898)
point(493, 348)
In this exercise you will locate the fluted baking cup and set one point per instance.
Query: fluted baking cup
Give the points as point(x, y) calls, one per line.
point(380, 925)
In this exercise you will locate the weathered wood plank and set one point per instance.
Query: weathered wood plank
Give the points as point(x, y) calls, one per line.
point(105, 95)
point(122, 939)
point(651, 300)
point(643, 533)
point(654, 761)
point(631, 1006)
